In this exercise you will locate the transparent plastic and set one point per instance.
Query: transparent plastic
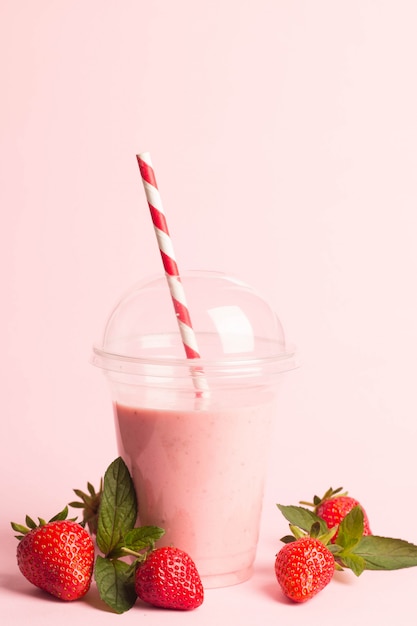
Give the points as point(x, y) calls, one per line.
point(197, 459)
point(237, 331)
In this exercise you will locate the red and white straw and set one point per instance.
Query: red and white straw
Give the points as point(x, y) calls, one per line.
point(172, 274)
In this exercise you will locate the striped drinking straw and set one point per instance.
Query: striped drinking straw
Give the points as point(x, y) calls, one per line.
point(172, 274)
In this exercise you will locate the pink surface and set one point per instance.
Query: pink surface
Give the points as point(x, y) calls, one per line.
point(284, 138)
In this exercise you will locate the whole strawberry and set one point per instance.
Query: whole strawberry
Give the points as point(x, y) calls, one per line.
point(169, 579)
point(57, 556)
point(333, 508)
point(303, 568)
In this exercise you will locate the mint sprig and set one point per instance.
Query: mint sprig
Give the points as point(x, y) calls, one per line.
point(115, 583)
point(348, 538)
point(141, 539)
point(117, 537)
point(352, 549)
point(118, 508)
point(302, 518)
point(384, 553)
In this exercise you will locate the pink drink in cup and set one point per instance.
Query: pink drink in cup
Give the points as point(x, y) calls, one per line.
point(197, 460)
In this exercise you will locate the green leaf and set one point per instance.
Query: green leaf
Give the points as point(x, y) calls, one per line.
point(315, 530)
point(137, 542)
point(384, 553)
point(355, 562)
point(326, 537)
point(142, 538)
point(80, 494)
point(302, 517)
point(297, 531)
point(115, 584)
point(19, 528)
point(30, 523)
point(76, 505)
point(60, 516)
point(351, 529)
point(118, 507)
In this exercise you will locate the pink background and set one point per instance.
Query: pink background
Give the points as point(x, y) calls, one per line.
point(284, 139)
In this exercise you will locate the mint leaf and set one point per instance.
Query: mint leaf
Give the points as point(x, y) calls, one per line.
point(351, 529)
point(355, 562)
point(384, 553)
point(303, 518)
point(142, 538)
point(115, 584)
point(136, 541)
point(118, 507)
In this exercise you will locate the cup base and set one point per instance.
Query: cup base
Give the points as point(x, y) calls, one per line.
point(228, 579)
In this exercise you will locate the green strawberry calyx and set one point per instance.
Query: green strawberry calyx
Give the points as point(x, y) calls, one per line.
point(89, 503)
point(352, 549)
point(316, 531)
point(330, 493)
point(32, 525)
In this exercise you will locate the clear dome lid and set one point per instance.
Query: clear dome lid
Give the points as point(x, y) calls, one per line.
point(232, 325)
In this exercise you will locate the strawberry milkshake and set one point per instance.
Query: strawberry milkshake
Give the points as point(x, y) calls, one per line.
point(197, 458)
point(200, 476)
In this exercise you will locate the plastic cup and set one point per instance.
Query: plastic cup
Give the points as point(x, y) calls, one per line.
point(198, 461)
